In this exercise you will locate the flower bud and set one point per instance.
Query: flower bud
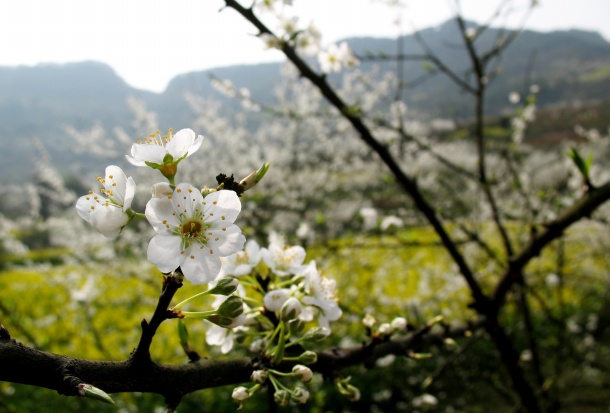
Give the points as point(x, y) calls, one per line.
point(240, 394)
point(296, 326)
point(318, 334)
point(259, 376)
point(369, 321)
point(399, 324)
point(254, 177)
point(232, 307)
point(302, 373)
point(227, 322)
point(308, 357)
point(281, 397)
point(291, 309)
point(162, 190)
point(346, 389)
point(225, 286)
point(274, 299)
point(385, 329)
point(300, 395)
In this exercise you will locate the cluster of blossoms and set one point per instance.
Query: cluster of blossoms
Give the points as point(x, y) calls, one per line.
point(287, 304)
point(306, 40)
point(265, 297)
point(194, 228)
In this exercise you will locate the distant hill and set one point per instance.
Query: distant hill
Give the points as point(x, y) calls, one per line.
point(570, 67)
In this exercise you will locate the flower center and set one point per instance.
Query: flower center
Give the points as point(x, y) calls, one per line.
point(191, 229)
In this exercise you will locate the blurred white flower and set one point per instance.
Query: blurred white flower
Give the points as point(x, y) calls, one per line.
point(275, 299)
point(194, 232)
point(243, 262)
point(283, 260)
point(109, 215)
point(321, 295)
point(389, 222)
point(424, 400)
point(335, 58)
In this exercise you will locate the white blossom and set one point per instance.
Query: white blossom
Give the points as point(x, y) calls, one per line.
point(243, 262)
point(335, 58)
point(194, 232)
point(156, 149)
point(108, 213)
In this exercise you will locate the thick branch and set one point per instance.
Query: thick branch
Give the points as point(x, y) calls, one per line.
point(22, 364)
point(584, 207)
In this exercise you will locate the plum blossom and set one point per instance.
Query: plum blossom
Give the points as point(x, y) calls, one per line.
point(275, 299)
point(242, 262)
point(321, 295)
point(109, 212)
point(158, 150)
point(194, 232)
point(283, 260)
point(335, 58)
point(223, 337)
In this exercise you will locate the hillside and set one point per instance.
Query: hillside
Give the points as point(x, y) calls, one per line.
point(571, 67)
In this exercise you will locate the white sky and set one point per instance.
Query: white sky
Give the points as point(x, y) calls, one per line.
point(148, 42)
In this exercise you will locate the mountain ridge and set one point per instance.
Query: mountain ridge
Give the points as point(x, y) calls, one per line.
point(570, 66)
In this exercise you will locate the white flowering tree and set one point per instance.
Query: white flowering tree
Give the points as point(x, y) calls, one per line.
point(273, 307)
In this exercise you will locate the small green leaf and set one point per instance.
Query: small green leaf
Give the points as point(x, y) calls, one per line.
point(91, 392)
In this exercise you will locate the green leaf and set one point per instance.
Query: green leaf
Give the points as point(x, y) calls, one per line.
point(91, 392)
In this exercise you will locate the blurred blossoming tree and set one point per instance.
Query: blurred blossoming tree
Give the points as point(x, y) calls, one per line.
point(348, 158)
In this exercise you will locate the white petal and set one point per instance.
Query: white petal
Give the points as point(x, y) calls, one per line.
point(200, 265)
point(159, 210)
point(180, 143)
point(84, 206)
point(152, 153)
point(226, 242)
point(254, 252)
point(108, 219)
point(130, 191)
point(187, 199)
point(164, 252)
point(195, 146)
point(222, 204)
point(135, 161)
point(116, 181)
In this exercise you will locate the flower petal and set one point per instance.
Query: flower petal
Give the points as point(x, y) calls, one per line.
point(180, 143)
point(130, 191)
point(200, 265)
point(160, 214)
point(152, 153)
point(108, 219)
point(226, 242)
point(115, 181)
point(164, 252)
point(86, 204)
point(222, 206)
point(186, 200)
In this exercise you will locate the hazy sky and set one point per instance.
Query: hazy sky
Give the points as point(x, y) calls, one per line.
point(147, 42)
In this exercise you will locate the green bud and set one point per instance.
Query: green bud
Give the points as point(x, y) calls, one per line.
point(281, 397)
point(308, 357)
point(302, 373)
point(259, 376)
point(91, 392)
point(219, 320)
point(225, 286)
point(291, 309)
point(296, 326)
point(232, 307)
point(300, 395)
point(317, 334)
point(346, 389)
point(255, 177)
